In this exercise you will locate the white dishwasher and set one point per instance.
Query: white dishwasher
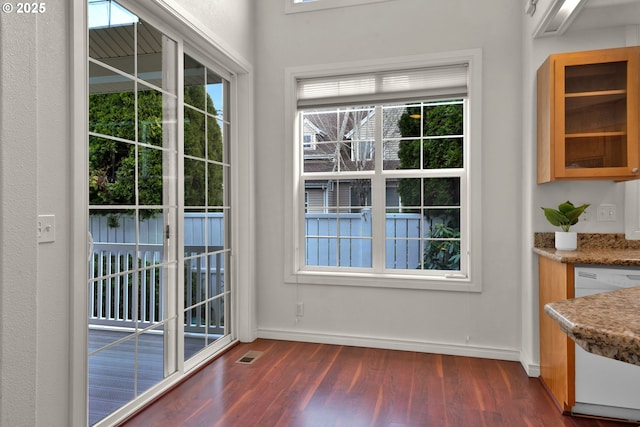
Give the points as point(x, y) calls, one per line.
point(606, 387)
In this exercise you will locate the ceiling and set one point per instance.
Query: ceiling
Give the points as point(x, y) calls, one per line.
point(607, 13)
point(601, 3)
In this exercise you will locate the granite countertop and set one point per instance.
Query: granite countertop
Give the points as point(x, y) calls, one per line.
point(607, 324)
point(593, 248)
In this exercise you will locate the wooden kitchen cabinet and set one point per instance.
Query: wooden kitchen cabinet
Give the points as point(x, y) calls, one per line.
point(588, 115)
point(557, 350)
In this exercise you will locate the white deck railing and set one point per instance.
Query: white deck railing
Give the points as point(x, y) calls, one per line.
point(122, 279)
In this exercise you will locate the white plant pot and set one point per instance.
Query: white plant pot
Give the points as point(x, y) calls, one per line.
point(566, 240)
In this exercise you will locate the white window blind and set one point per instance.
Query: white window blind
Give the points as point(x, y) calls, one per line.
point(385, 86)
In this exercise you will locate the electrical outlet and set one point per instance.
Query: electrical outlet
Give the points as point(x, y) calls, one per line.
point(299, 309)
point(607, 212)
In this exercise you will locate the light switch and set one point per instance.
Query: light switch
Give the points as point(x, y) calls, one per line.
point(46, 228)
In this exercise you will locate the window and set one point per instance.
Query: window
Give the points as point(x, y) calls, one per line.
point(385, 195)
point(309, 140)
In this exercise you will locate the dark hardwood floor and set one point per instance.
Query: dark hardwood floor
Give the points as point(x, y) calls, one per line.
point(302, 384)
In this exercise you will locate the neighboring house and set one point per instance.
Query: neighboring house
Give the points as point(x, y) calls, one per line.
point(343, 140)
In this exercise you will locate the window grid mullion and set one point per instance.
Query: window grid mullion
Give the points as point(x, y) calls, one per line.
point(378, 208)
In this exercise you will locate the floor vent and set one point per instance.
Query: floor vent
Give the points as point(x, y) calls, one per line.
point(249, 357)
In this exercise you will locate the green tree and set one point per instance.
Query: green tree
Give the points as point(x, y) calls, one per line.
point(439, 120)
point(195, 140)
point(110, 114)
point(112, 163)
point(442, 254)
point(445, 122)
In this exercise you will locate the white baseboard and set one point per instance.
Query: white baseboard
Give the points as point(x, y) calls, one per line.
point(532, 369)
point(392, 344)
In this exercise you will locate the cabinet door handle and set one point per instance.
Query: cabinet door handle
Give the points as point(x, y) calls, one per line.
point(634, 170)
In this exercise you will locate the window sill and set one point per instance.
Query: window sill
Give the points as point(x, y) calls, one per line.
point(384, 280)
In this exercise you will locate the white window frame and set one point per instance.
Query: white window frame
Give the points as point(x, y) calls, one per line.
point(295, 270)
point(291, 6)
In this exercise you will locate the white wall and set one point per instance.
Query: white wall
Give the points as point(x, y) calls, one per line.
point(412, 319)
point(594, 28)
point(35, 178)
point(229, 20)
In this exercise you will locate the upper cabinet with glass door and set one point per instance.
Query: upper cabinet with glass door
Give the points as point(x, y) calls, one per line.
point(588, 115)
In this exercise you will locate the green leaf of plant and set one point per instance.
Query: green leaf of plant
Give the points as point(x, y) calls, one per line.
point(555, 217)
point(575, 213)
point(566, 207)
point(565, 216)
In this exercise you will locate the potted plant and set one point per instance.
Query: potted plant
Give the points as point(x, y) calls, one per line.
point(564, 217)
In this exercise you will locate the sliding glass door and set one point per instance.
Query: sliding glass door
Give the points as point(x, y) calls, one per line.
point(206, 206)
point(159, 282)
